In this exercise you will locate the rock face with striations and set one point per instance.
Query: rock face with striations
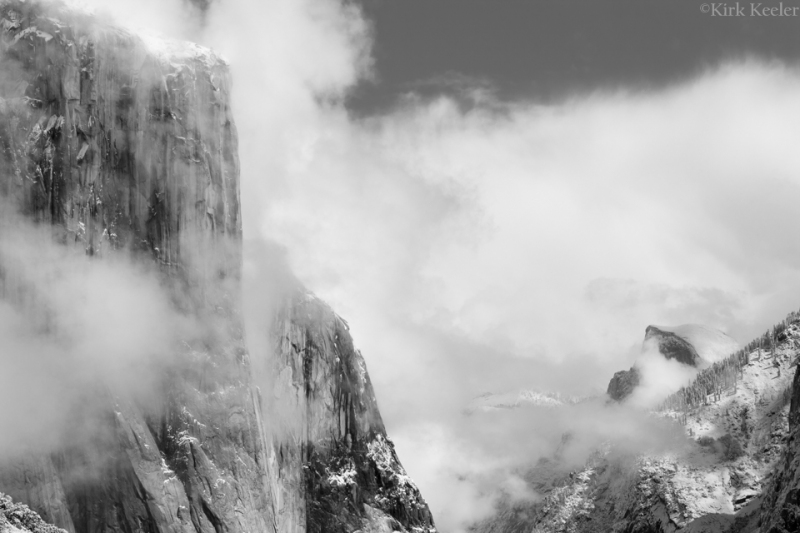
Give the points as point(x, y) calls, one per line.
point(127, 145)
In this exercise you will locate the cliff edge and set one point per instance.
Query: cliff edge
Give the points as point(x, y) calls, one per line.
point(125, 146)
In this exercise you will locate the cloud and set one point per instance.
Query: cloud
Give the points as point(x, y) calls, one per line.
point(292, 62)
point(659, 377)
point(704, 305)
point(75, 328)
point(489, 224)
point(457, 242)
point(471, 464)
point(178, 19)
point(504, 243)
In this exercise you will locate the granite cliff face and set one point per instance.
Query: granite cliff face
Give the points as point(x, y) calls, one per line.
point(124, 145)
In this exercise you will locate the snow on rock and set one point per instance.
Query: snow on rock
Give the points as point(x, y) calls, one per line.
point(343, 477)
point(780, 511)
point(19, 518)
point(715, 482)
point(398, 488)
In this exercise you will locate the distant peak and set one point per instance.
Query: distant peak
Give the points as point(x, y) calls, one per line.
point(703, 345)
point(693, 345)
point(672, 345)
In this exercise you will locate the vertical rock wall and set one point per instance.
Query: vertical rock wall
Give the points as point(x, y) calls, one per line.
point(126, 145)
point(118, 142)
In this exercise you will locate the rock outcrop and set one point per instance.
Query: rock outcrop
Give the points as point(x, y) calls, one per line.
point(672, 346)
point(124, 145)
point(622, 384)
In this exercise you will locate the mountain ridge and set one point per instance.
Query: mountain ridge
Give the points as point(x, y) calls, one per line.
point(737, 471)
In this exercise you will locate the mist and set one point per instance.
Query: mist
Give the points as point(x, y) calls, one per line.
point(659, 377)
point(75, 328)
point(504, 244)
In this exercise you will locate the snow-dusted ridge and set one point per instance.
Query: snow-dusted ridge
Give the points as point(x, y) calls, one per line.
point(735, 418)
point(489, 401)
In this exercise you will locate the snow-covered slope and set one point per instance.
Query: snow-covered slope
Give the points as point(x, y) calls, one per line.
point(715, 481)
point(19, 518)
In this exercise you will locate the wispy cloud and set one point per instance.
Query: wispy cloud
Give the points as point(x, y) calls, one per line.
point(75, 329)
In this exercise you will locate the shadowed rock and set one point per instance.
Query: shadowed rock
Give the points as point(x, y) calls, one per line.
point(622, 384)
point(781, 510)
point(669, 344)
point(672, 346)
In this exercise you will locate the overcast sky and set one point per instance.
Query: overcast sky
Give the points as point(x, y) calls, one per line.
point(548, 50)
point(504, 194)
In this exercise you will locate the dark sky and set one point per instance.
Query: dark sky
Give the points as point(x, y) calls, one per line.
point(546, 49)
